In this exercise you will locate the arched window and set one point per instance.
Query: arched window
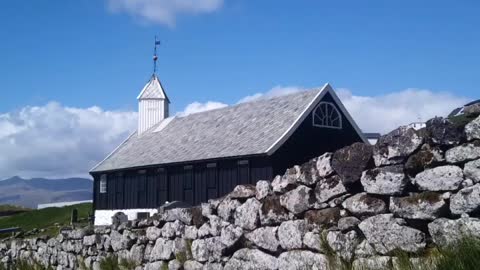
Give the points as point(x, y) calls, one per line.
point(327, 115)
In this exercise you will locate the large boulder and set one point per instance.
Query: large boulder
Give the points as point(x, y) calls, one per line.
point(443, 178)
point(301, 259)
point(246, 215)
point(423, 206)
point(364, 204)
point(427, 157)
point(185, 215)
point(463, 153)
point(471, 170)
point(307, 172)
point(467, 200)
point(249, 259)
point(390, 180)
point(349, 162)
point(443, 132)
point(472, 129)
point(388, 234)
point(323, 217)
point(163, 250)
point(226, 209)
point(265, 238)
point(446, 232)
point(262, 189)
point(243, 192)
point(283, 183)
point(395, 146)
point(272, 212)
point(328, 188)
point(290, 234)
point(297, 200)
point(324, 166)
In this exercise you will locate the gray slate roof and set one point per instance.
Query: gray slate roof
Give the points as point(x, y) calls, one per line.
point(244, 129)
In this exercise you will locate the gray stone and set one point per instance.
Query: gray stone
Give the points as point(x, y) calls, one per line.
point(446, 232)
point(192, 265)
point(363, 204)
point(163, 250)
point(442, 178)
point(472, 129)
point(463, 153)
point(230, 235)
point(136, 254)
point(212, 266)
point(307, 173)
point(265, 238)
point(154, 266)
point(467, 200)
point(121, 241)
point(374, 263)
point(172, 229)
point(153, 233)
point(472, 110)
point(424, 206)
point(191, 232)
point(249, 259)
point(185, 215)
point(324, 167)
point(313, 240)
point(348, 223)
point(272, 212)
point(301, 259)
point(472, 170)
point(175, 265)
point(297, 200)
point(324, 217)
point(427, 157)
point(364, 249)
point(349, 162)
point(246, 215)
point(328, 188)
point(91, 240)
point(243, 192)
point(200, 250)
point(390, 180)
point(396, 146)
point(262, 189)
point(343, 244)
point(387, 234)
point(442, 131)
point(282, 183)
point(226, 209)
point(290, 234)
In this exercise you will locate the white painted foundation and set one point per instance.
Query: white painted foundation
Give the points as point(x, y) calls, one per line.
point(104, 217)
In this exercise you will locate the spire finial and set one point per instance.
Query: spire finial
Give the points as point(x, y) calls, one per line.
point(155, 57)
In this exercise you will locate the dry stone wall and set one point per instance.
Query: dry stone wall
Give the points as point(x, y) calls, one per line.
point(411, 191)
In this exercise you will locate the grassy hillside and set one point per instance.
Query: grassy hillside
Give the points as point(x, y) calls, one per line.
point(46, 218)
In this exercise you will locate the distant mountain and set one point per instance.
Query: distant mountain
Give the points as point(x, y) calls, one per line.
point(36, 191)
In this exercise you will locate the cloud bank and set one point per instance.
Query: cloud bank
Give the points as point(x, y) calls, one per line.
point(58, 141)
point(163, 11)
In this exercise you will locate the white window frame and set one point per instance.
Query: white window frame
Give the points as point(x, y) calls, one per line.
point(329, 105)
point(103, 184)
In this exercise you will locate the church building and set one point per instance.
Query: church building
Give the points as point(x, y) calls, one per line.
point(204, 155)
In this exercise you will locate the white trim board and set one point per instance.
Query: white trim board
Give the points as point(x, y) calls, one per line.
point(327, 88)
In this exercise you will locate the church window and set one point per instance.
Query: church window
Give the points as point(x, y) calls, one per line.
point(327, 115)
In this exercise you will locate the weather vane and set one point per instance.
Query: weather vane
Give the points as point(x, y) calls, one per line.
point(155, 57)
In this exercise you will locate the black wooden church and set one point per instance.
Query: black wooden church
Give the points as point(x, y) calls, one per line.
point(205, 155)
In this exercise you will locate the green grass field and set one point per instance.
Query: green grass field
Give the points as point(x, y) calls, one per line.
point(45, 218)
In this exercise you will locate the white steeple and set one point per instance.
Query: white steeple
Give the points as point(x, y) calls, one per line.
point(152, 105)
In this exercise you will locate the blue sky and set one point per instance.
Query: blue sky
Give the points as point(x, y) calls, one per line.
point(71, 70)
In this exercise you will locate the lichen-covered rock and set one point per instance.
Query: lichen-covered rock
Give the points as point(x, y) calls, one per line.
point(118, 219)
point(387, 234)
point(272, 212)
point(172, 229)
point(297, 200)
point(249, 259)
point(424, 206)
point(471, 170)
point(212, 266)
point(364, 204)
point(443, 178)
point(283, 183)
point(343, 244)
point(243, 192)
point(472, 129)
point(348, 223)
point(349, 162)
point(446, 232)
point(191, 232)
point(467, 200)
point(262, 189)
point(91, 240)
point(313, 240)
point(301, 259)
point(153, 233)
point(163, 250)
point(442, 131)
point(175, 265)
point(246, 215)
point(324, 167)
point(427, 157)
point(121, 241)
point(307, 173)
point(185, 215)
point(390, 180)
point(395, 146)
point(200, 250)
point(328, 188)
point(230, 235)
point(153, 265)
point(326, 217)
point(265, 238)
point(192, 265)
point(290, 234)
point(364, 249)
point(226, 209)
point(463, 153)
point(374, 263)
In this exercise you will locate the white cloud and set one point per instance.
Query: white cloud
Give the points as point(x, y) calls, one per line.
point(197, 107)
point(274, 92)
point(57, 141)
point(163, 11)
